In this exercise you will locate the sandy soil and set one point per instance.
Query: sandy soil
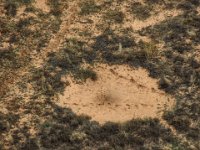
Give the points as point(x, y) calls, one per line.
point(41, 4)
point(119, 94)
point(55, 42)
point(155, 19)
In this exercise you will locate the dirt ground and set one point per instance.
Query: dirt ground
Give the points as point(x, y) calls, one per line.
point(42, 4)
point(119, 94)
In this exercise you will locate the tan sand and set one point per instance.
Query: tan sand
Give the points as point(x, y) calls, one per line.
point(119, 94)
point(153, 20)
point(41, 4)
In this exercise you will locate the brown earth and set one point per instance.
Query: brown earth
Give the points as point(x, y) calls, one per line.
point(42, 4)
point(119, 94)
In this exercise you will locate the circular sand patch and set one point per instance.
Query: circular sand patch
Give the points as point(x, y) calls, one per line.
point(119, 94)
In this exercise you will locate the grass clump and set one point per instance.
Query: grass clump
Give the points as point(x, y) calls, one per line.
point(148, 50)
point(84, 74)
point(55, 6)
point(73, 45)
point(26, 2)
point(114, 16)
point(45, 82)
point(11, 8)
point(88, 7)
point(153, 1)
point(141, 11)
point(9, 59)
point(188, 5)
point(180, 123)
point(135, 134)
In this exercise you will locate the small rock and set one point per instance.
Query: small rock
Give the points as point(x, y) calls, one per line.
point(86, 21)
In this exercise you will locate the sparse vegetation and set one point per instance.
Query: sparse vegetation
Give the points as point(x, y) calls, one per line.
point(11, 8)
point(148, 50)
point(88, 7)
point(56, 7)
point(114, 16)
point(141, 11)
point(31, 75)
point(85, 74)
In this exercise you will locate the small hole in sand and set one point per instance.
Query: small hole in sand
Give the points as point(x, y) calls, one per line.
point(119, 94)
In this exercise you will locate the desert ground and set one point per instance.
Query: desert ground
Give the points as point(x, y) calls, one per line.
point(100, 75)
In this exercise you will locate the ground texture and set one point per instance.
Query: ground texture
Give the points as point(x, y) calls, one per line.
point(100, 74)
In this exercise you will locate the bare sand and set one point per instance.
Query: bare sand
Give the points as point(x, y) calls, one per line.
point(119, 94)
point(42, 4)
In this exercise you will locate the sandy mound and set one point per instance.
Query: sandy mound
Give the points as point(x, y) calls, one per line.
point(119, 94)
